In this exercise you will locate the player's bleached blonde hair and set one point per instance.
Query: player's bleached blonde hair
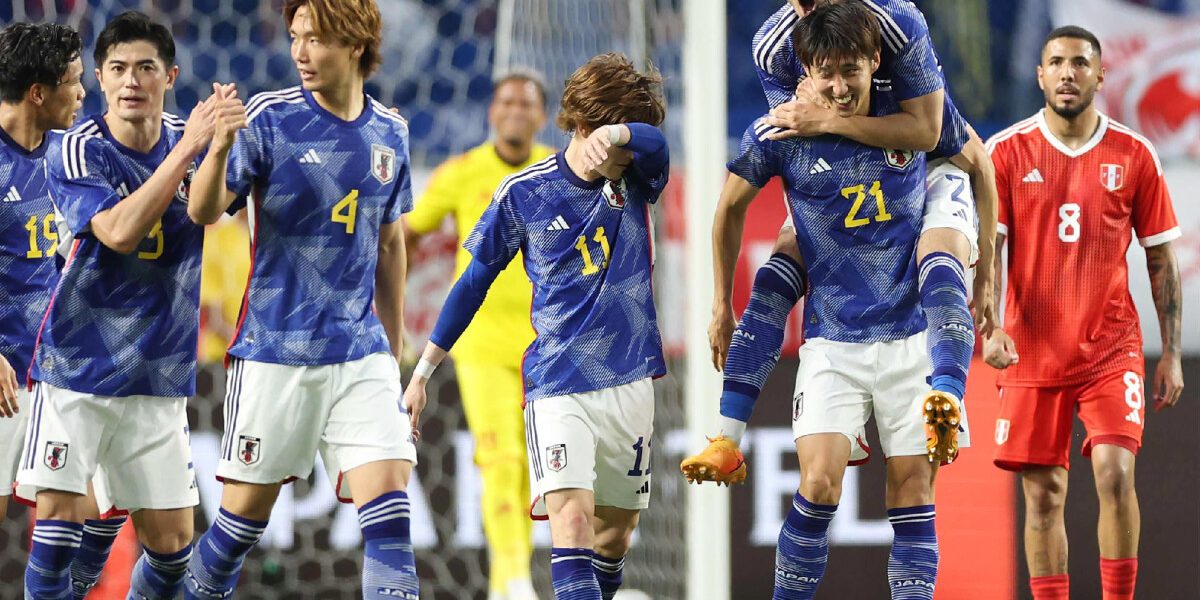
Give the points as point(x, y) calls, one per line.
point(607, 90)
point(350, 22)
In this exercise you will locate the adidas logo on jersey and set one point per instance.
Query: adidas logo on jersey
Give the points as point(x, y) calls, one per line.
point(13, 195)
point(1033, 176)
point(310, 158)
point(558, 224)
point(123, 191)
point(820, 167)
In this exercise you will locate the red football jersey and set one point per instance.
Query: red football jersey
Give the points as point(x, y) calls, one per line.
point(1069, 216)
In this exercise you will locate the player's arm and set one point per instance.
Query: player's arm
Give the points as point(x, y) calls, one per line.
point(390, 272)
point(917, 127)
point(729, 222)
point(999, 351)
point(647, 142)
point(1166, 287)
point(8, 389)
point(123, 226)
point(974, 160)
point(438, 200)
point(209, 196)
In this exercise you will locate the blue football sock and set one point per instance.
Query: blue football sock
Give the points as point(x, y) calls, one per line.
point(48, 574)
point(572, 574)
point(803, 549)
point(608, 574)
point(98, 538)
point(217, 560)
point(159, 576)
point(913, 563)
point(389, 568)
point(758, 339)
point(951, 342)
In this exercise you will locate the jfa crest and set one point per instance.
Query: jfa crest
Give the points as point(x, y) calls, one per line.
point(556, 457)
point(1112, 177)
point(185, 186)
point(383, 163)
point(1002, 426)
point(614, 194)
point(56, 455)
point(898, 159)
point(248, 449)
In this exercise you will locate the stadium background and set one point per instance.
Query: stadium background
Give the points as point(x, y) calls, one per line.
point(440, 57)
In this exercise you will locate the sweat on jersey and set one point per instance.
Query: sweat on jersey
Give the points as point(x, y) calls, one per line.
point(322, 188)
point(857, 212)
point(588, 250)
point(119, 324)
point(908, 64)
point(28, 246)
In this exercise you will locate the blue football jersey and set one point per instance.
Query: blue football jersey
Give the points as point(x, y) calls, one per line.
point(908, 65)
point(857, 212)
point(119, 324)
point(588, 250)
point(322, 188)
point(28, 243)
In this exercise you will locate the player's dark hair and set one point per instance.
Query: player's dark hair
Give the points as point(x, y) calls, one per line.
point(522, 76)
point(134, 26)
point(32, 54)
point(608, 90)
point(836, 31)
point(1074, 32)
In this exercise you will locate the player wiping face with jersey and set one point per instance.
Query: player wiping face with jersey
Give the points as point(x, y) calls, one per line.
point(858, 213)
point(581, 220)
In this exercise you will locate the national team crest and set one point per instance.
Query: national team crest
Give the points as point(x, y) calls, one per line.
point(556, 457)
point(248, 449)
point(614, 194)
point(1002, 426)
point(185, 186)
point(898, 159)
point(1112, 177)
point(56, 455)
point(383, 163)
point(797, 406)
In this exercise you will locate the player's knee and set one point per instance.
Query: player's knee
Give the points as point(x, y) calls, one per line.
point(910, 488)
point(1114, 480)
point(786, 244)
point(613, 542)
point(167, 541)
point(821, 488)
point(1045, 495)
point(60, 506)
point(571, 526)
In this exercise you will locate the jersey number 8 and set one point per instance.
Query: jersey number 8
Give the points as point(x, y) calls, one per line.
point(1068, 225)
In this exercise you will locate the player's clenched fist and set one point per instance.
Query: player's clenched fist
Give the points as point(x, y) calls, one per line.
point(229, 115)
point(999, 350)
point(8, 389)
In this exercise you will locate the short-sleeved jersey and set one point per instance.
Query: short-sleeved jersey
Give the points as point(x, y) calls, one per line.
point(1069, 216)
point(588, 250)
point(857, 212)
point(28, 246)
point(462, 188)
point(119, 324)
point(908, 65)
point(322, 188)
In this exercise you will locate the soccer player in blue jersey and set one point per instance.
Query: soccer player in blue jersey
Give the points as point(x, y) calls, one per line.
point(959, 174)
point(313, 365)
point(41, 89)
point(857, 211)
point(581, 219)
point(116, 353)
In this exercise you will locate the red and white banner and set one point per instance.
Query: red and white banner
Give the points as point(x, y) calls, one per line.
point(1153, 69)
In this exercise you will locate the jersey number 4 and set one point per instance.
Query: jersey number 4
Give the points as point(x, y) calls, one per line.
point(346, 211)
point(858, 194)
point(48, 230)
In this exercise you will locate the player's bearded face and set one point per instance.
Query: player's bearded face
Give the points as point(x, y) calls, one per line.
point(1069, 76)
point(323, 64)
point(517, 113)
point(64, 100)
point(135, 80)
point(844, 82)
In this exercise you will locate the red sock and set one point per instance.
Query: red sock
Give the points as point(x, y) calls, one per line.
point(1051, 587)
point(1118, 577)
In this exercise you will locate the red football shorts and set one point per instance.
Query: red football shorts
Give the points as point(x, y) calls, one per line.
point(1035, 423)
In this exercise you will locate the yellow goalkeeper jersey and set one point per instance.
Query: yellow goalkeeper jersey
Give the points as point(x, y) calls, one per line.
point(462, 188)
